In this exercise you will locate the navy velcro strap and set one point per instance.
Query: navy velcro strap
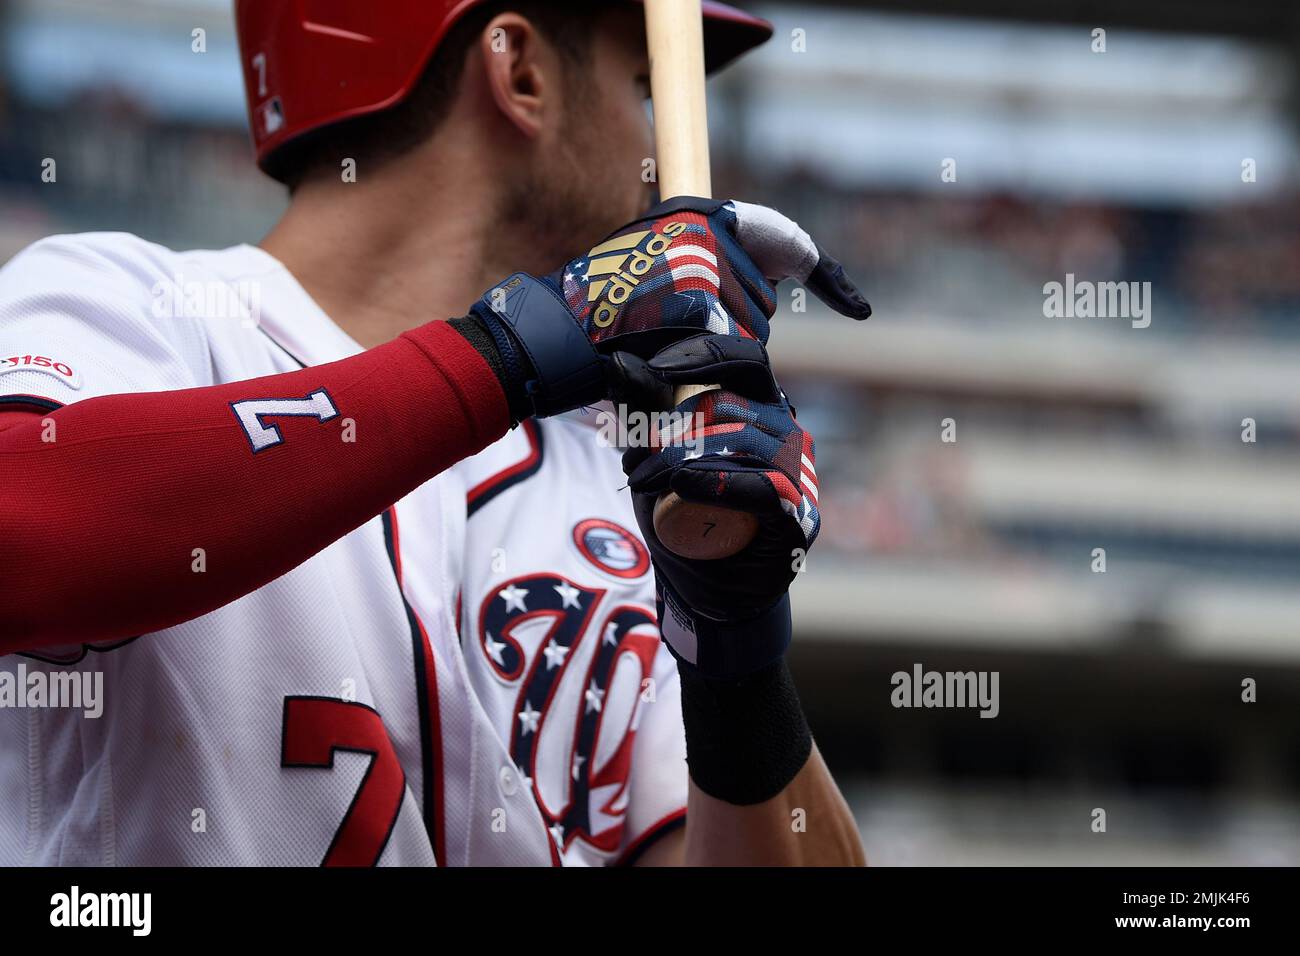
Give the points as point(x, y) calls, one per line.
point(568, 372)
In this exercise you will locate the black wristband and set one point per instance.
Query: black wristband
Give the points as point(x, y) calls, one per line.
point(745, 740)
point(511, 379)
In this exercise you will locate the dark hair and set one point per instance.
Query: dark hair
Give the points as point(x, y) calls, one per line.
point(376, 138)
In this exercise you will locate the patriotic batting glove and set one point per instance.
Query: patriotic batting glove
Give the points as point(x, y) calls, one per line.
point(689, 265)
point(739, 447)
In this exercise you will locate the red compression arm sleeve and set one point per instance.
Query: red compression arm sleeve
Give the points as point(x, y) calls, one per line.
point(98, 527)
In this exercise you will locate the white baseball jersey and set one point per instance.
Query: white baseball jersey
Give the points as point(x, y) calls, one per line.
point(561, 642)
point(345, 713)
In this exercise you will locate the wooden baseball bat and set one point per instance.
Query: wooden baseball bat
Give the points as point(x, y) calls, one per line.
point(675, 34)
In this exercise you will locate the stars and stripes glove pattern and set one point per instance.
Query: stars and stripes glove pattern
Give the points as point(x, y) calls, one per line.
point(738, 447)
point(689, 265)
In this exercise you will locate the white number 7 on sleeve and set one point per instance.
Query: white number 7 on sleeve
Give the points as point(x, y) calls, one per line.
point(262, 436)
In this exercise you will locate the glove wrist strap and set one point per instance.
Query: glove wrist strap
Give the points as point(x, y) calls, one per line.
point(534, 329)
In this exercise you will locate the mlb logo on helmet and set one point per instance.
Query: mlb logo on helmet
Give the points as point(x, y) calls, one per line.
point(271, 115)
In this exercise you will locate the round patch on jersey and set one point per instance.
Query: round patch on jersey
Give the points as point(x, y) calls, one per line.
point(611, 547)
point(64, 372)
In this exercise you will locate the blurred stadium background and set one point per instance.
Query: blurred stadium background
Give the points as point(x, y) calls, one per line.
point(1119, 690)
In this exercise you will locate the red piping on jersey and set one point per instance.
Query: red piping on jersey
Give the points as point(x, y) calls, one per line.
point(490, 487)
point(653, 834)
point(433, 727)
point(26, 403)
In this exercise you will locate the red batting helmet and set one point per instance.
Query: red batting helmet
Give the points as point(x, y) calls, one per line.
point(310, 63)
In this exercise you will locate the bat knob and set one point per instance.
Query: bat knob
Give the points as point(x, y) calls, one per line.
point(700, 531)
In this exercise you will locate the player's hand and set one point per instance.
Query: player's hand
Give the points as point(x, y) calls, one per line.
point(689, 265)
point(745, 450)
point(693, 265)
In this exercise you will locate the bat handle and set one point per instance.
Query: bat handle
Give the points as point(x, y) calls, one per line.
point(700, 531)
point(675, 40)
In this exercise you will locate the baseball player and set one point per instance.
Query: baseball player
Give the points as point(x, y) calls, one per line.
point(363, 583)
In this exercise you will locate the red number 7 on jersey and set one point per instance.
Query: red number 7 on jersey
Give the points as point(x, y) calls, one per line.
point(314, 729)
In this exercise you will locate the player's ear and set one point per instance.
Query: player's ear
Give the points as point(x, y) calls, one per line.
point(515, 63)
